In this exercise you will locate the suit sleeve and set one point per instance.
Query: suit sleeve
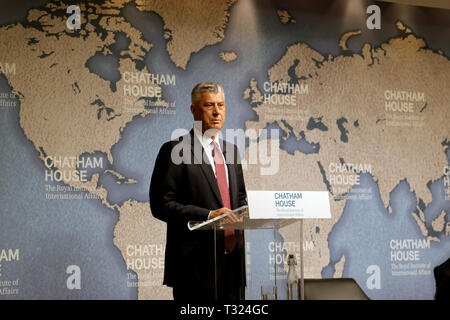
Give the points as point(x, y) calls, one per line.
point(242, 193)
point(165, 191)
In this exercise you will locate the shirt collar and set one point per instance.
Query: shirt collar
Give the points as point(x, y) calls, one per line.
point(205, 140)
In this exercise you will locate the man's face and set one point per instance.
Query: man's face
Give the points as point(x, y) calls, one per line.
point(210, 110)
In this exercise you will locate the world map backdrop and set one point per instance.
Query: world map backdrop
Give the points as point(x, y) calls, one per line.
point(346, 96)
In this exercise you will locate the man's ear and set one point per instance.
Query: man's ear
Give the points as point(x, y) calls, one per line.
point(193, 109)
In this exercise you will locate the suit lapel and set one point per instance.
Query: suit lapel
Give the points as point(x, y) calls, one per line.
point(231, 174)
point(197, 151)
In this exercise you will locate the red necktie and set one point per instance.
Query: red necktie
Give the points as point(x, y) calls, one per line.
point(230, 239)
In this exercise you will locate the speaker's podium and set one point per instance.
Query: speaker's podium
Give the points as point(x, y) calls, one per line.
point(271, 210)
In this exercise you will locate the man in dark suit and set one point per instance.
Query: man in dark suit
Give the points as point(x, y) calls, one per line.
point(199, 177)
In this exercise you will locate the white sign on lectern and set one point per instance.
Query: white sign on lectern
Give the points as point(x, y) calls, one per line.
point(288, 204)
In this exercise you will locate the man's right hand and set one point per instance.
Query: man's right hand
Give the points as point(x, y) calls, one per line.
point(231, 218)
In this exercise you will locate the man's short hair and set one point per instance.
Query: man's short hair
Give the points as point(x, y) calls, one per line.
point(205, 86)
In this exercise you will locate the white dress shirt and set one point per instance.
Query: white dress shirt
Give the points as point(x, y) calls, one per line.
point(208, 147)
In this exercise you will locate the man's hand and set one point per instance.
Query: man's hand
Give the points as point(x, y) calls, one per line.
point(231, 218)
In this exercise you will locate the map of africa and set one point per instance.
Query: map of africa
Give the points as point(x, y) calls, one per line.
point(90, 107)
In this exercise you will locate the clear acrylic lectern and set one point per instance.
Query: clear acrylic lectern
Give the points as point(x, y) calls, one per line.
point(246, 223)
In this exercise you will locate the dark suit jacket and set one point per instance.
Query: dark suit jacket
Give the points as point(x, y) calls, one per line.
point(442, 277)
point(181, 192)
